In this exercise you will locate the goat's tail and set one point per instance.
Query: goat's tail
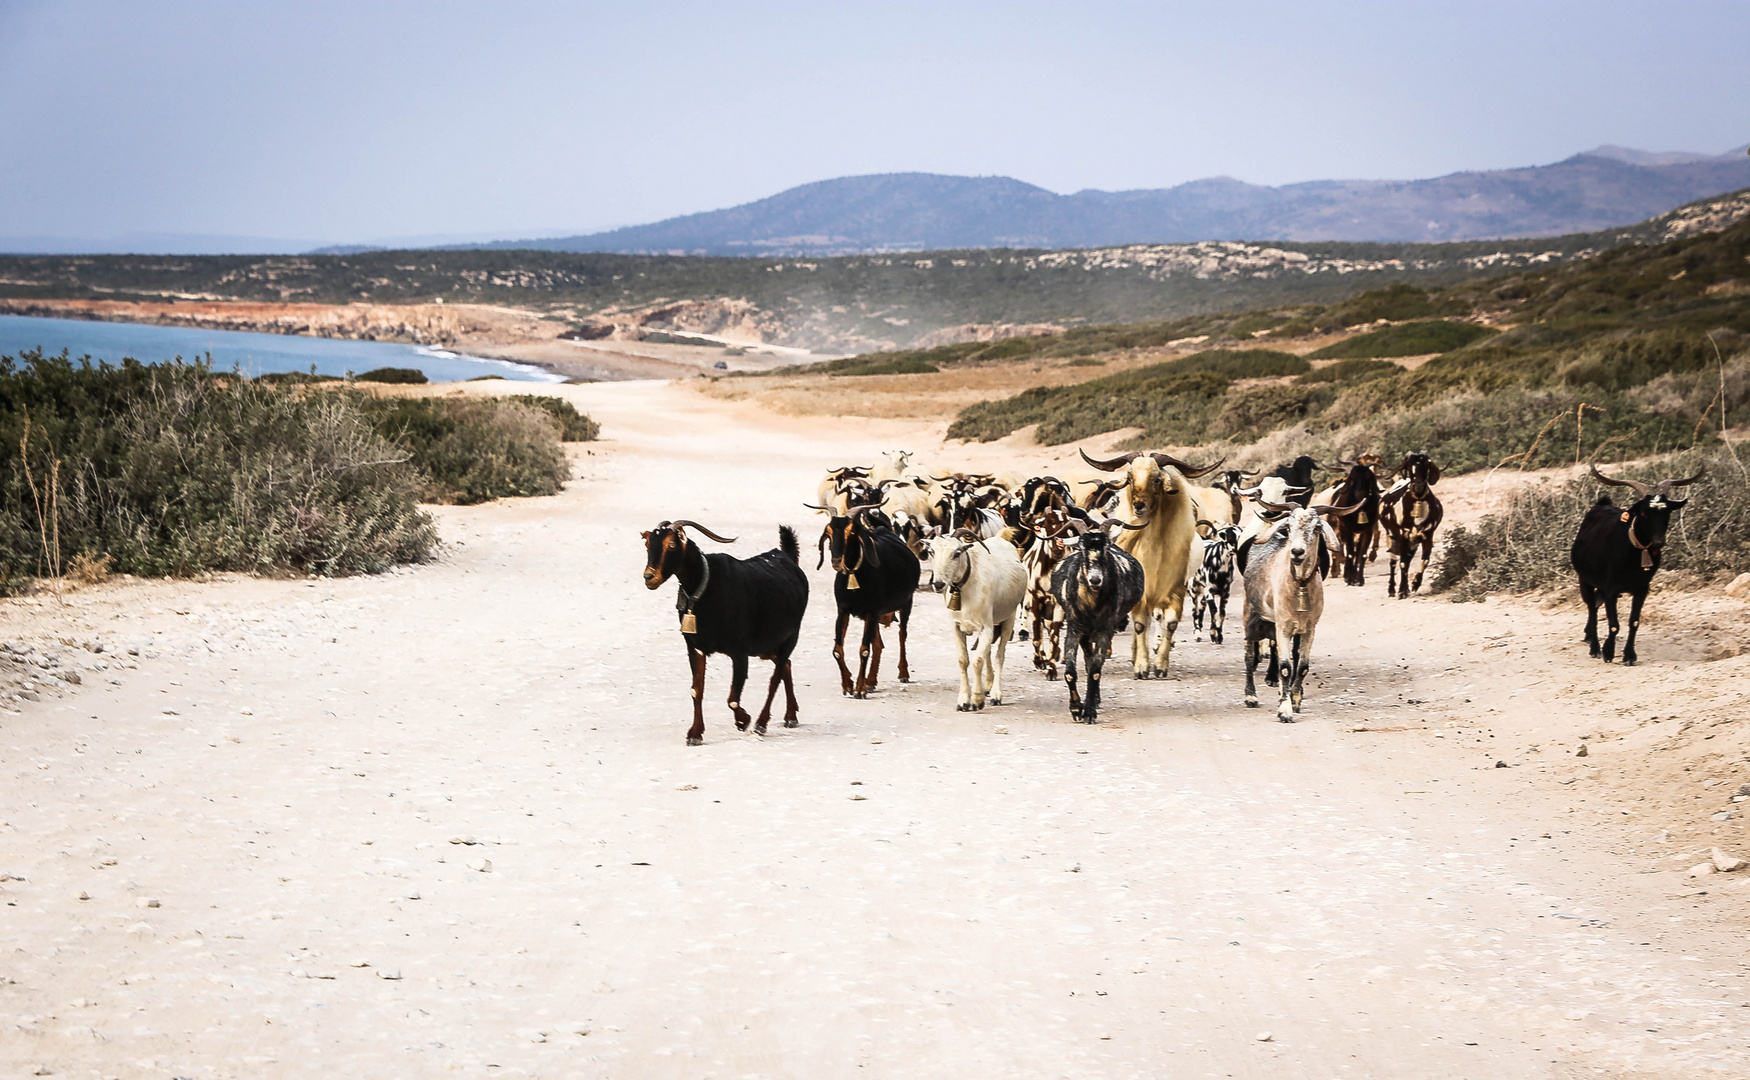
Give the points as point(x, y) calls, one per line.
point(787, 544)
point(1604, 500)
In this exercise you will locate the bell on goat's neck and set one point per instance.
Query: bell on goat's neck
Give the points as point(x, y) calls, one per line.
point(851, 581)
point(689, 625)
point(953, 599)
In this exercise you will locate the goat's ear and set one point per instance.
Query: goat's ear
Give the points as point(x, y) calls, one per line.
point(1324, 560)
point(646, 535)
point(1433, 474)
point(871, 551)
point(1676, 504)
point(822, 545)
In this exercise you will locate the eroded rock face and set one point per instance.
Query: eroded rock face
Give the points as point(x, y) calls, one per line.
point(955, 335)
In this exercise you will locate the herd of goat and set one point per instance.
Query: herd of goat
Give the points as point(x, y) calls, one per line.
point(1131, 551)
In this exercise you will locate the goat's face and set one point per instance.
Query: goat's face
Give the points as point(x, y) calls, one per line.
point(1145, 486)
point(1094, 565)
point(1306, 534)
point(664, 548)
point(850, 543)
point(1650, 519)
point(1420, 471)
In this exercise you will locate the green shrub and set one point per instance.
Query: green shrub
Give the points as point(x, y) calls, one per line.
point(1395, 303)
point(1350, 371)
point(1621, 363)
point(573, 425)
point(904, 365)
point(294, 378)
point(1526, 545)
point(1260, 409)
point(174, 469)
point(475, 449)
point(412, 376)
point(1231, 364)
point(1408, 339)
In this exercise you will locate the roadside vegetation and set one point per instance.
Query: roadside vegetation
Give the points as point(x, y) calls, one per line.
point(172, 470)
point(1630, 353)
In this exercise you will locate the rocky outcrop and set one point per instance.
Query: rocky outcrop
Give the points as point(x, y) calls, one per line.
point(415, 324)
point(955, 335)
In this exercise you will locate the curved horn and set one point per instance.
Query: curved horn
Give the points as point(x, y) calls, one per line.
point(1122, 524)
point(1188, 471)
point(1665, 486)
point(811, 506)
point(685, 524)
point(855, 510)
point(1248, 492)
point(1296, 490)
point(1108, 464)
point(1072, 525)
point(1336, 511)
point(942, 479)
point(1640, 488)
point(1277, 507)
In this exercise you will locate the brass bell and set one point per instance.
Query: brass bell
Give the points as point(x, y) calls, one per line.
point(689, 625)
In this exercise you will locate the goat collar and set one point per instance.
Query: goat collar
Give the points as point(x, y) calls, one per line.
point(684, 601)
point(1646, 552)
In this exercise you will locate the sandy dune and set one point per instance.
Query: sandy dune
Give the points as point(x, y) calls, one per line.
point(444, 820)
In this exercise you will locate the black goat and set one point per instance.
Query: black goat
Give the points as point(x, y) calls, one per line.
point(737, 607)
point(877, 576)
point(1096, 585)
point(1619, 551)
point(1299, 474)
point(1358, 533)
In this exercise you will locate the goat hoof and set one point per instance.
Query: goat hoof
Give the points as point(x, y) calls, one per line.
point(741, 725)
point(1285, 719)
point(695, 740)
point(963, 707)
point(995, 701)
point(1251, 703)
point(792, 722)
point(759, 729)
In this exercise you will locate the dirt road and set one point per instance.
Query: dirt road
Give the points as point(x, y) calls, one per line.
point(444, 820)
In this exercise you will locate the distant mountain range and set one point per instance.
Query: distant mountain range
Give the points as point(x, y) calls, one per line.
point(1600, 189)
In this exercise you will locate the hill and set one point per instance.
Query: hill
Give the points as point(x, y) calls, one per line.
point(920, 211)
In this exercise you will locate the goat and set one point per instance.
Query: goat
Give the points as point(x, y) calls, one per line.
point(1041, 551)
point(1157, 502)
point(1271, 489)
point(1285, 595)
point(893, 465)
point(1298, 474)
point(1097, 585)
point(876, 577)
point(1357, 533)
point(959, 508)
point(1410, 513)
point(983, 583)
point(1213, 581)
point(833, 485)
point(1619, 551)
point(737, 607)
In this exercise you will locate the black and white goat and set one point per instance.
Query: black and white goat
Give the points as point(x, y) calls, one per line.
point(877, 574)
point(1096, 585)
point(737, 607)
point(1214, 578)
point(1619, 551)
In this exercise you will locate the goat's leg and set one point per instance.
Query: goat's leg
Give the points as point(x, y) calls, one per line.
point(1427, 550)
point(1290, 651)
point(1590, 596)
point(1610, 613)
point(871, 641)
point(986, 677)
point(964, 704)
point(904, 629)
point(737, 680)
point(838, 653)
point(1218, 617)
point(1251, 671)
point(765, 716)
point(1071, 642)
point(1271, 672)
point(1139, 650)
point(696, 733)
point(1054, 628)
point(1634, 623)
point(1096, 650)
point(1196, 596)
point(789, 694)
point(1302, 665)
point(875, 658)
point(1391, 581)
point(996, 675)
point(1163, 657)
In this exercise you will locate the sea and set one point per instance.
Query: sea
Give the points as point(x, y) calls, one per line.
point(249, 353)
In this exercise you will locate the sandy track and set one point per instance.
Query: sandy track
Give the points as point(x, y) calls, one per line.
point(1142, 898)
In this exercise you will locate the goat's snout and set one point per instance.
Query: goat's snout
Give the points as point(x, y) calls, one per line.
point(1298, 554)
point(652, 577)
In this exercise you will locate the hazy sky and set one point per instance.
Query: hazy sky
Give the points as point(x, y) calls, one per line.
point(357, 121)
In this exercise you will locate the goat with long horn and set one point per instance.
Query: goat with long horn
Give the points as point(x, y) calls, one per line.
point(1618, 551)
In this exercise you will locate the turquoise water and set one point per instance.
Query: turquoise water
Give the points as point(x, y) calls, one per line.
point(253, 354)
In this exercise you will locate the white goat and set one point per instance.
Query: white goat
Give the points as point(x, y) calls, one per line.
point(1285, 596)
point(984, 584)
point(894, 465)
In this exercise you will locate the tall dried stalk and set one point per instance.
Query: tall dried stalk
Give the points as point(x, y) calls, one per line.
point(48, 523)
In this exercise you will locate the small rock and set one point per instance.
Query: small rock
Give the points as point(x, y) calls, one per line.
point(1500, 764)
point(532, 1035)
point(413, 896)
point(1265, 1036)
point(84, 896)
point(41, 1070)
point(1582, 751)
point(1724, 863)
point(578, 1027)
point(245, 712)
point(483, 866)
point(392, 974)
point(72, 677)
point(1744, 789)
point(858, 798)
point(1740, 586)
point(146, 901)
point(876, 739)
point(1701, 869)
point(1002, 729)
point(361, 963)
point(1723, 815)
point(463, 840)
point(687, 787)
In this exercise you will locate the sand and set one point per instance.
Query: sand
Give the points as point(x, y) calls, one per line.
point(444, 820)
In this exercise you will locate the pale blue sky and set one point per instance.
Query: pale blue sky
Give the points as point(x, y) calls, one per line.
point(342, 122)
